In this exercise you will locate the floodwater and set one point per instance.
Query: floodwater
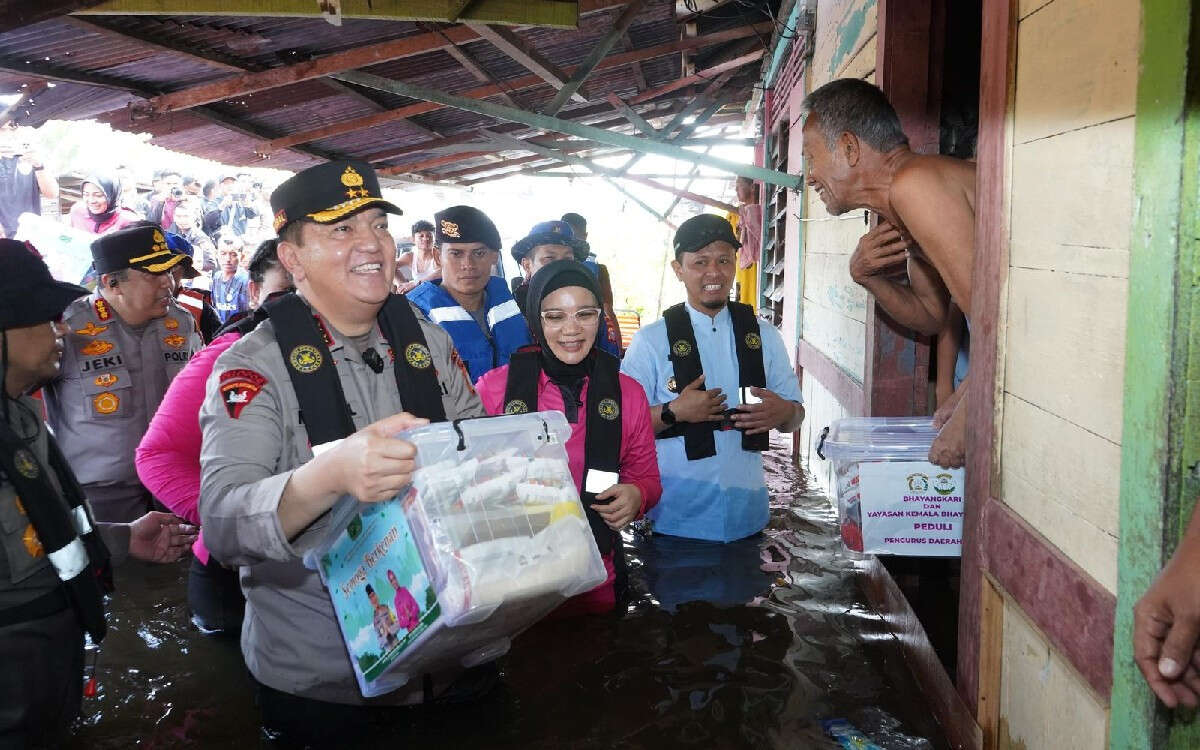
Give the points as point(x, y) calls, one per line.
point(720, 646)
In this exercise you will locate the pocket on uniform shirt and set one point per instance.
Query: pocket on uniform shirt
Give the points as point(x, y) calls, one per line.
point(107, 394)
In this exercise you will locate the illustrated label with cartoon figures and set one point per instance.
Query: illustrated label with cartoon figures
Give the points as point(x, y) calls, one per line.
point(911, 508)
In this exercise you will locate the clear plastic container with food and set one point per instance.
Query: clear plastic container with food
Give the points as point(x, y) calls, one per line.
point(489, 538)
point(891, 499)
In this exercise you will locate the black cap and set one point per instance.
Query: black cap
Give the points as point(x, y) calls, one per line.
point(142, 247)
point(550, 233)
point(422, 226)
point(465, 224)
point(28, 293)
point(327, 193)
point(700, 230)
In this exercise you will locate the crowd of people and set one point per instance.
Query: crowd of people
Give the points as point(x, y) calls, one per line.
point(308, 352)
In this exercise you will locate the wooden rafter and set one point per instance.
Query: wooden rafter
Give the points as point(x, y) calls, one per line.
point(524, 53)
point(702, 76)
point(579, 130)
point(706, 99)
point(631, 114)
point(638, 73)
point(395, 49)
point(60, 74)
point(598, 53)
point(483, 92)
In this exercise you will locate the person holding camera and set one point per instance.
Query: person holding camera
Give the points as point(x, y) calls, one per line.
point(162, 205)
point(24, 180)
point(236, 205)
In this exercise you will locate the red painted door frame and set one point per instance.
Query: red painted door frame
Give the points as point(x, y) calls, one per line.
point(908, 70)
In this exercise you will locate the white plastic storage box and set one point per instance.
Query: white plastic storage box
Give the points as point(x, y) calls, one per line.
point(891, 499)
point(489, 538)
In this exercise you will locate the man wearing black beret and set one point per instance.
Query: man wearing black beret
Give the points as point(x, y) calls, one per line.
point(54, 554)
point(475, 308)
point(304, 410)
point(124, 344)
point(718, 382)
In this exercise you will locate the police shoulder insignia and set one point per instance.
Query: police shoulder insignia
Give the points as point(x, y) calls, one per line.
point(516, 406)
point(91, 329)
point(158, 236)
point(609, 409)
point(450, 229)
point(25, 463)
point(33, 545)
point(280, 219)
point(105, 380)
point(103, 311)
point(306, 359)
point(681, 348)
point(753, 341)
point(175, 342)
point(106, 403)
point(238, 388)
point(170, 324)
point(417, 355)
point(96, 348)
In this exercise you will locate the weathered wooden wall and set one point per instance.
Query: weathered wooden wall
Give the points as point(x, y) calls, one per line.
point(834, 307)
point(1060, 348)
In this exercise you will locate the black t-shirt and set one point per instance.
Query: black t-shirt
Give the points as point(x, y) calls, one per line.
point(18, 194)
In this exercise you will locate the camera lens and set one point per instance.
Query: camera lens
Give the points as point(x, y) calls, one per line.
point(177, 192)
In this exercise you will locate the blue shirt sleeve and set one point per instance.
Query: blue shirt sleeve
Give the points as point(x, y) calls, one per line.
point(640, 362)
point(781, 378)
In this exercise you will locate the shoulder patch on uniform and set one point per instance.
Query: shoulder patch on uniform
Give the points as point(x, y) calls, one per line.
point(103, 311)
point(238, 388)
point(91, 329)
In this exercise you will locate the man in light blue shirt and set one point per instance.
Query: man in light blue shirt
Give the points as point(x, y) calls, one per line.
point(718, 383)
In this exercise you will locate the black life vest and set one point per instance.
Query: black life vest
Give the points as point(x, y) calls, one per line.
point(698, 437)
point(602, 441)
point(69, 539)
point(323, 407)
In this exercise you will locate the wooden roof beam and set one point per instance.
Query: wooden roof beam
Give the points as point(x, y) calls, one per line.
point(483, 92)
point(524, 53)
point(638, 73)
point(598, 53)
point(704, 76)
point(579, 130)
point(551, 13)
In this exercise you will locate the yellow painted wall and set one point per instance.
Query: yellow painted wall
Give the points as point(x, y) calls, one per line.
point(1071, 190)
point(833, 308)
point(1062, 343)
point(1044, 703)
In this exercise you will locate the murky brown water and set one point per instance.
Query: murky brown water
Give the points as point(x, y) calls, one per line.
point(721, 646)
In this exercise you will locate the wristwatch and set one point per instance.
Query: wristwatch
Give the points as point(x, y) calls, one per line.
point(667, 416)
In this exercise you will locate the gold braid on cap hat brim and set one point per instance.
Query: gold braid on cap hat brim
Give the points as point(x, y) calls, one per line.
point(172, 261)
point(340, 210)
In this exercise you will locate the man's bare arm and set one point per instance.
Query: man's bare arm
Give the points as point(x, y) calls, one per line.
point(921, 304)
point(940, 219)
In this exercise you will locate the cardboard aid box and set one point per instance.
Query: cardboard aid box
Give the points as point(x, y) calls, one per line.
point(891, 500)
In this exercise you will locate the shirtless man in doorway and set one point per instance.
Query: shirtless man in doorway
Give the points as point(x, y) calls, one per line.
point(857, 156)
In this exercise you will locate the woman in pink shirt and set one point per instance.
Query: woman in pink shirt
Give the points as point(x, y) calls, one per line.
point(98, 211)
point(611, 449)
point(168, 458)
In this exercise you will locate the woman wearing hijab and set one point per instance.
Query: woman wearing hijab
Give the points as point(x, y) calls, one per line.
point(98, 211)
point(611, 449)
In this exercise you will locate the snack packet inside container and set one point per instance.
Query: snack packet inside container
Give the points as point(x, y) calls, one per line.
point(489, 538)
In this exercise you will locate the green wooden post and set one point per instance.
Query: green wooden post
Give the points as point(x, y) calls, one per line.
point(1161, 435)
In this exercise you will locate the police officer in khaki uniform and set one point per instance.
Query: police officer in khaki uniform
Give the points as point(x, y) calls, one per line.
point(124, 343)
point(302, 411)
point(54, 555)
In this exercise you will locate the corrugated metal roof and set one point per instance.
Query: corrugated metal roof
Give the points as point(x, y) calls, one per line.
point(158, 54)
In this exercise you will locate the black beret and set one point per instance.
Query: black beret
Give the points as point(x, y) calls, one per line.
point(327, 193)
point(28, 293)
point(142, 246)
point(465, 224)
point(702, 229)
